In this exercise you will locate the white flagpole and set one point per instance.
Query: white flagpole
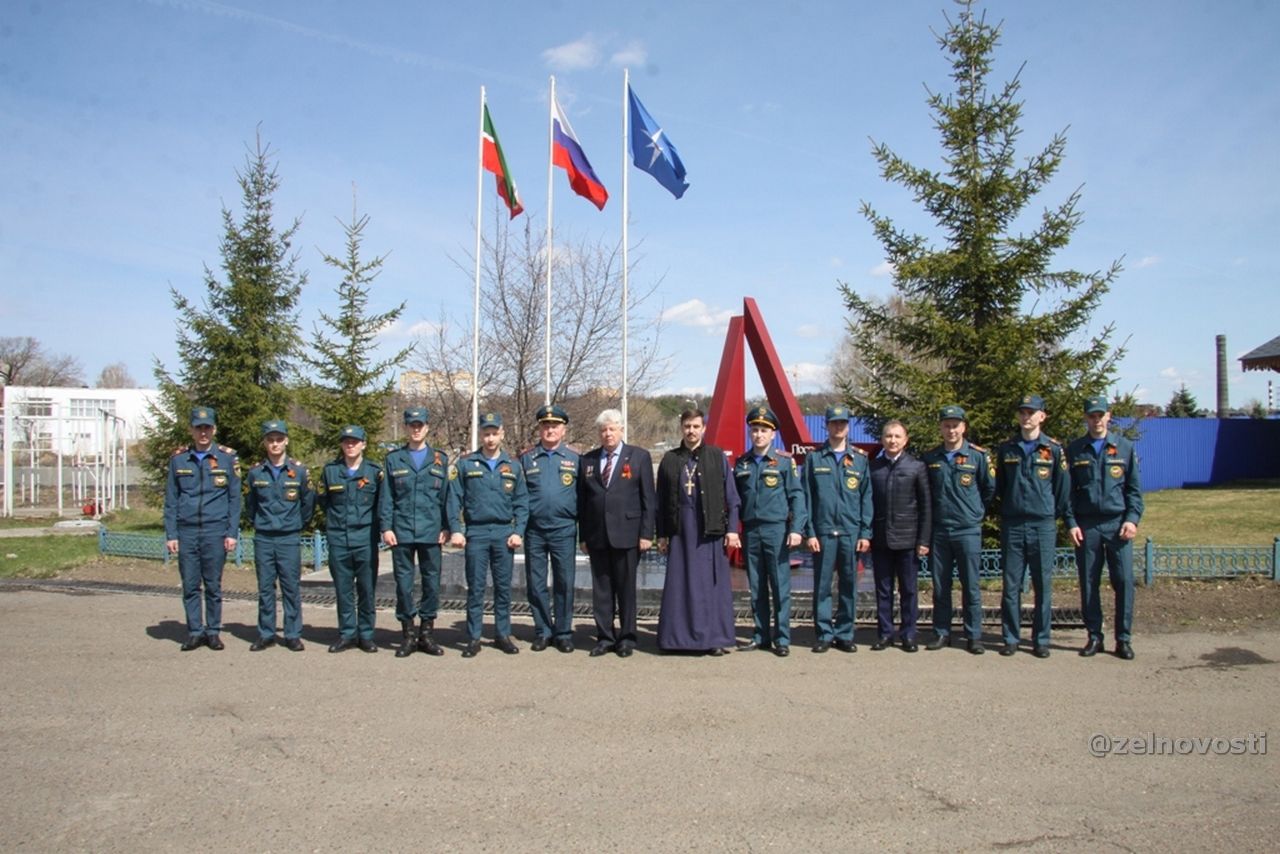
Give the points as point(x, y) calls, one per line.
point(550, 253)
point(626, 203)
point(475, 312)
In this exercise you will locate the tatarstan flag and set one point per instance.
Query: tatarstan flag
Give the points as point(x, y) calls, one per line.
point(495, 162)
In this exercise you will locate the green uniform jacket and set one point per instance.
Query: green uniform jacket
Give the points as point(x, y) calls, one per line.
point(770, 490)
point(423, 502)
point(280, 504)
point(552, 480)
point(962, 487)
point(838, 493)
point(1033, 486)
point(492, 497)
point(1106, 485)
point(352, 502)
point(203, 494)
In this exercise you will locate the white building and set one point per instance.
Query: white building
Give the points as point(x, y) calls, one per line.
point(69, 445)
point(73, 421)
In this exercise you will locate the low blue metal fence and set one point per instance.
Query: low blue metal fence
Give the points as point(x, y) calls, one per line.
point(1150, 561)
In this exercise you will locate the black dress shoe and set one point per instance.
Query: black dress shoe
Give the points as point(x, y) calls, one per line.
point(342, 644)
point(294, 644)
point(367, 645)
point(539, 644)
point(262, 643)
point(1123, 650)
point(844, 645)
point(975, 647)
point(625, 650)
point(910, 646)
point(881, 644)
point(192, 642)
point(1040, 651)
point(215, 643)
point(1008, 649)
point(716, 652)
point(750, 645)
point(822, 646)
point(564, 645)
point(472, 649)
point(506, 645)
point(601, 648)
point(782, 651)
point(1093, 647)
point(939, 642)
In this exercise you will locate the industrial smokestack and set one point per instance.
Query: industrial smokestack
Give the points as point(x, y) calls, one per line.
point(1223, 403)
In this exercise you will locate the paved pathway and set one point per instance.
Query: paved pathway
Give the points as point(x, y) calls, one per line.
point(112, 740)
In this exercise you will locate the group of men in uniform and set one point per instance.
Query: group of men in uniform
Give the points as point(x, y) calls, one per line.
point(840, 506)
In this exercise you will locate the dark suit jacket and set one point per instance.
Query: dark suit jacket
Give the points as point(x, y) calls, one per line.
point(621, 515)
point(903, 509)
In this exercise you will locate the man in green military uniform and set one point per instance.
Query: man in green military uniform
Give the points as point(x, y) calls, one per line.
point(280, 503)
point(1106, 498)
point(962, 483)
point(494, 505)
point(415, 524)
point(352, 490)
point(773, 515)
point(1031, 482)
point(837, 486)
point(551, 474)
point(202, 524)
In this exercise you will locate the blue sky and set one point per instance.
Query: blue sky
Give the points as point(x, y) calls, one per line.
point(123, 122)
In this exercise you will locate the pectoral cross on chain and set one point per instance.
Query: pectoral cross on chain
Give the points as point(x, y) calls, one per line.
point(689, 485)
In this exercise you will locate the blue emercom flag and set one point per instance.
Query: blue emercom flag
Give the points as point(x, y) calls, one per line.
point(652, 151)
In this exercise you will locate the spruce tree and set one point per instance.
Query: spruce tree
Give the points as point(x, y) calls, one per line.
point(984, 318)
point(238, 347)
point(351, 388)
point(1183, 404)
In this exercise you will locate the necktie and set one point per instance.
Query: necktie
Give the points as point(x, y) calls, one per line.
point(608, 468)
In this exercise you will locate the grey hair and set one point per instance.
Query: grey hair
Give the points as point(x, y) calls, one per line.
point(609, 416)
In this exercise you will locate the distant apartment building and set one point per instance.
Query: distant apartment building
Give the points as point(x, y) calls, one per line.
point(426, 384)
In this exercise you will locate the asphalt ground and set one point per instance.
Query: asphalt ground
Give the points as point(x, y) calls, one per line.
point(113, 740)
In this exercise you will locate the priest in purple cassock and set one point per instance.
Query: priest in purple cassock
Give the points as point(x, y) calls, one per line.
point(697, 519)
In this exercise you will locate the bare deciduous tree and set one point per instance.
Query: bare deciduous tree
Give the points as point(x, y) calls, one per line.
point(29, 364)
point(115, 375)
point(586, 336)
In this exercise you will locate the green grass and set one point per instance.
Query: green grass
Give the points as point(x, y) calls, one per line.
point(143, 520)
point(42, 557)
point(1236, 514)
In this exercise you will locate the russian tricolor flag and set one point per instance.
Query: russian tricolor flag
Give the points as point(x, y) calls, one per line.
point(567, 153)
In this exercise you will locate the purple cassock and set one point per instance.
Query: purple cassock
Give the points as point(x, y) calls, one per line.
point(697, 597)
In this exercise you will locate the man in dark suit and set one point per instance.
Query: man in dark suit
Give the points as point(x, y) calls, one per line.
point(900, 532)
point(616, 508)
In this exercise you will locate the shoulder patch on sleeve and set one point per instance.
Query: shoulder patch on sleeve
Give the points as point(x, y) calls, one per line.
point(975, 447)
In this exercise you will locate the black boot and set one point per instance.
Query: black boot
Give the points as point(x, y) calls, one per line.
point(427, 640)
point(407, 643)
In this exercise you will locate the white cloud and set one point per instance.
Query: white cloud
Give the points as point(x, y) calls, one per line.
point(698, 314)
point(1147, 261)
point(835, 261)
point(1170, 373)
point(808, 376)
point(574, 55)
point(633, 54)
point(811, 330)
point(403, 329)
point(884, 268)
